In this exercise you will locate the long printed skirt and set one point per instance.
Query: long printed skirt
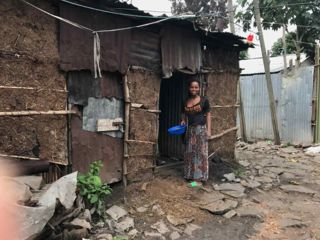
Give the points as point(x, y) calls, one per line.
point(196, 154)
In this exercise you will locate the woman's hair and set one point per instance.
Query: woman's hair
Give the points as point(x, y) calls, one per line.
point(194, 80)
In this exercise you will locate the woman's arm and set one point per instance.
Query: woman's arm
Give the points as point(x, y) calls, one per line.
point(208, 120)
point(183, 119)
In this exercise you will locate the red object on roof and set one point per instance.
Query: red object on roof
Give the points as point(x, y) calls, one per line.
point(250, 38)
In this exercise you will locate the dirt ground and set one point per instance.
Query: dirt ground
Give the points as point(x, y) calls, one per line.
point(281, 198)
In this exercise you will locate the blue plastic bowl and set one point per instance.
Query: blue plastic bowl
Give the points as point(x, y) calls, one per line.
point(177, 130)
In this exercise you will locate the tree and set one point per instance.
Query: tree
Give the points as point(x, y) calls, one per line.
point(277, 47)
point(277, 13)
point(212, 14)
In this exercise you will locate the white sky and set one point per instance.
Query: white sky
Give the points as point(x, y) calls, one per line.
point(165, 6)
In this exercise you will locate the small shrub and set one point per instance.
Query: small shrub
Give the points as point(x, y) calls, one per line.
point(92, 189)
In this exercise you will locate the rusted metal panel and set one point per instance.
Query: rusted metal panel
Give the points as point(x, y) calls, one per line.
point(76, 45)
point(181, 50)
point(88, 147)
point(145, 49)
point(220, 59)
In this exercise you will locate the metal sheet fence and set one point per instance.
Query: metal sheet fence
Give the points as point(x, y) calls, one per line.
point(293, 96)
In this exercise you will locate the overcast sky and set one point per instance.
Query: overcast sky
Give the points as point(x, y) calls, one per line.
point(165, 6)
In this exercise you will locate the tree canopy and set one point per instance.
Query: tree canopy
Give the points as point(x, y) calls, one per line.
point(282, 13)
point(212, 14)
point(277, 47)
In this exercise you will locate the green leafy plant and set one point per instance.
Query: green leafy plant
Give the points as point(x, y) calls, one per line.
point(92, 189)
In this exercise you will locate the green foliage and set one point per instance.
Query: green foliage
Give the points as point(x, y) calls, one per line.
point(206, 9)
point(119, 238)
point(277, 47)
point(278, 13)
point(239, 172)
point(244, 55)
point(92, 189)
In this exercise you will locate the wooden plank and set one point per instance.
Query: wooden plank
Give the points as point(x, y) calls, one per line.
point(317, 85)
point(28, 113)
point(109, 125)
point(223, 133)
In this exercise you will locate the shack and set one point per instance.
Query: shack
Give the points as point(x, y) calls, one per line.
point(122, 116)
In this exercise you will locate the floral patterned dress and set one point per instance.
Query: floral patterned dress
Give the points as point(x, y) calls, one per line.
point(196, 165)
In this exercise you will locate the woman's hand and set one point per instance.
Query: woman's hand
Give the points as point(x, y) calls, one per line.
point(208, 134)
point(183, 122)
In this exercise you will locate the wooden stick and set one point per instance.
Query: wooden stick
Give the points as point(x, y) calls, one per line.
point(226, 106)
point(223, 133)
point(32, 88)
point(243, 129)
point(21, 157)
point(27, 113)
point(139, 141)
point(127, 106)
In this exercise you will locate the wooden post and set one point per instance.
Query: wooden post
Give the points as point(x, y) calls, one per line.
point(284, 45)
point(127, 105)
point(272, 104)
point(317, 85)
point(243, 129)
point(231, 16)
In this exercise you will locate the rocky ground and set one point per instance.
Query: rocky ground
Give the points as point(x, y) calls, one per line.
point(273, 193)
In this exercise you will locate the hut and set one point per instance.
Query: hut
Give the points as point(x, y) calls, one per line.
point(121, 117)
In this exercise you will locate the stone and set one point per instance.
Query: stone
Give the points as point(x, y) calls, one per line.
point(105, 236)
point(63, 189)
point(125, 224)
point(230, 214)
point(100, 224)
point(251, 211)
point(251, 184)
point(229, 187)
point(178, 221)
point(161, 227)
point(263, 179)
point(34, 182)
point(230, 176)
point(158, 210)
point(116, 212)
point(286, 223)
point(86, 215)
point(32, 220)
point(142, 209)
point(154, 236)
point(144, 186)
point(234, 194)
point(244, 163)
point(220, 207)
point(80, 223)
point(19, 191)
point(133, 233)
point(298, 189)
point(75, 233)
point(191, 228)
point(174, 236)
point(206, 198)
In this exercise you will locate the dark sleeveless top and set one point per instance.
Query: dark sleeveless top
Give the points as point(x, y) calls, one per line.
point(197, 113)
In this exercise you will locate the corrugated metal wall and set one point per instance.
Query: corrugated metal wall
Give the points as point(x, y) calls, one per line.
point(293, 96)
point(172, 93)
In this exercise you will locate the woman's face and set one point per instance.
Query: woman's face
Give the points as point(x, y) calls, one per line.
point(194, 88)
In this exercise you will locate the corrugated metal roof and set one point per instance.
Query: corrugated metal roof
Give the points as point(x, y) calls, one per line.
point(255, 65)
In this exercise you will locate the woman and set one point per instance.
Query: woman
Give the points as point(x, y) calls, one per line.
point(196, 115)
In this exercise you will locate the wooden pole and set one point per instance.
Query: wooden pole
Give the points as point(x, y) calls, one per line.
point(272, 104)
point(243, 129)
point(126, 128)
point(231, 16)
point(284, 46)
point(317, 84)
point(28, 113)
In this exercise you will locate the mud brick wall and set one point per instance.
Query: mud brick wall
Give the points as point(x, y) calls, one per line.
point(29, 60)
point(144, 88)
point(222, 93)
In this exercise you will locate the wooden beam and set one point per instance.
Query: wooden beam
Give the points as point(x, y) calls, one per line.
point(127, 107)
point(266, 64)
point(243, 129)
point(317, 86)
point(20, 157)
point(29, 113)
point(32, 88)
point(223, 133)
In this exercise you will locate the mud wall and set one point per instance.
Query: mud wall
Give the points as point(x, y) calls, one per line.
point(30, 80)
point(221, 90)
point(144, 88)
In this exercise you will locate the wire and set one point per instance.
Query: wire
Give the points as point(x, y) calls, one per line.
point(126, 14)
point(289, 4)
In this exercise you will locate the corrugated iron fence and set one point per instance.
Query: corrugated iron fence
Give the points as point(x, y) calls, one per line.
point(293, 96)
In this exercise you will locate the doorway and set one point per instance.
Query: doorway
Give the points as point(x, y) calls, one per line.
point(173, 92)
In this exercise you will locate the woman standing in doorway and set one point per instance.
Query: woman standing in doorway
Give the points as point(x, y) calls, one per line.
point(196, 115)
